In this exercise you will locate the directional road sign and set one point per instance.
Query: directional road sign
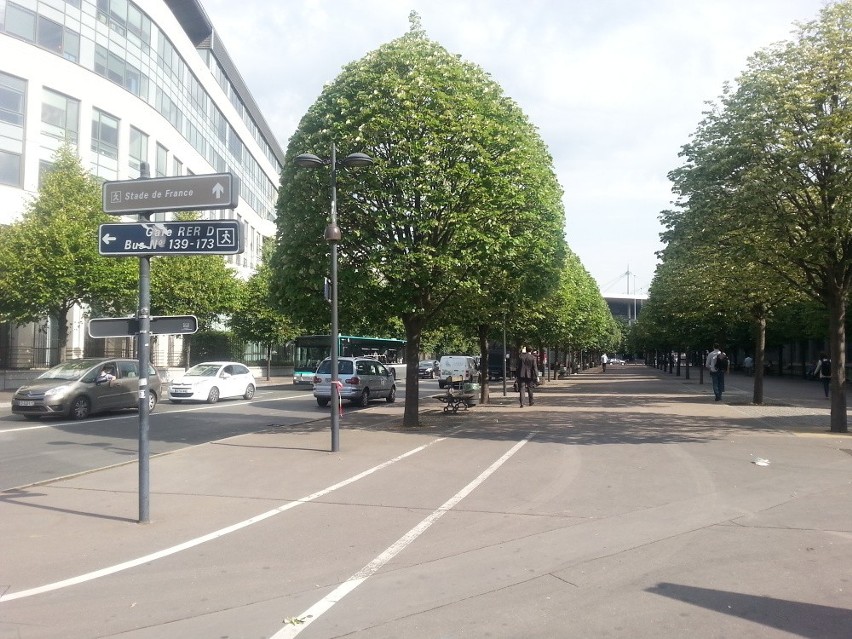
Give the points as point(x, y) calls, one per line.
point(129, 326)
point(183, 193)
point(215, 237)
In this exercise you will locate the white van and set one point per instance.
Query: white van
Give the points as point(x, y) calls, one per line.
point(455, 369)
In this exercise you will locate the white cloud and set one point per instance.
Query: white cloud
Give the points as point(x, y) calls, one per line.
point(615, 87)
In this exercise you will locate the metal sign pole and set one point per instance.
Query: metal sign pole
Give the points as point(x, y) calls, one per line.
point(144, 347)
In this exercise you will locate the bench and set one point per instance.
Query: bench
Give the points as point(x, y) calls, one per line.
point(454, 400)
point(457, 397)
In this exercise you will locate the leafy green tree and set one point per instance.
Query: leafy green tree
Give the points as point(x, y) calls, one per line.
point(49, 261)
point(461, 182)
point(256, 320)
point(200, 285)
point(778, 144)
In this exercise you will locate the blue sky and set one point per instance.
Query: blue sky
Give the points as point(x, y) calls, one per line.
point(615, 87)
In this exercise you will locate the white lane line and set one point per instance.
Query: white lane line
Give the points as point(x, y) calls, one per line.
point(89, 576)
point(324, 605)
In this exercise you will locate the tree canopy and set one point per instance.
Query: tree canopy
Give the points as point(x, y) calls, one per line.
point(462, 192)
point(49, 259)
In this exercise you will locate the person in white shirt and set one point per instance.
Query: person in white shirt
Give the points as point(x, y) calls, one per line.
point(604, 361)
point(717, 363)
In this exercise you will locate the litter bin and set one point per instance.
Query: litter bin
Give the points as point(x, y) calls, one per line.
point(475, 389)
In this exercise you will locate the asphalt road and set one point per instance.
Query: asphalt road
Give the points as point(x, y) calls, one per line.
point(625, 504)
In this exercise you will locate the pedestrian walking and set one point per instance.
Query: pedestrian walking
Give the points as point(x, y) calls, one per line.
point(717, 363)
point(748, 365)
point(604, 362)
point(527, 375)
point(822, 370)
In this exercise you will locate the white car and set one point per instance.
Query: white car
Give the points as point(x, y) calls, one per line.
point(212, 381)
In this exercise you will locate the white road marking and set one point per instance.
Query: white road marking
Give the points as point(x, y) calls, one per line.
point(89, 576)
point(324, 605)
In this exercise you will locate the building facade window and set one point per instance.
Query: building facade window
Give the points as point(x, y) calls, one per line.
point(60, 116)
point(162, 161)
point(20, 22)
point(104, 145)
point(13, 104)
point(138, 151)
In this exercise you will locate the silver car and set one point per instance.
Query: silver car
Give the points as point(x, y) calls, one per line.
point(80, 387)
point(361, 379)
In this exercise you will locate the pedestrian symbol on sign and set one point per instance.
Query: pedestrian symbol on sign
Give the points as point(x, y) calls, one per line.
point(225, 237)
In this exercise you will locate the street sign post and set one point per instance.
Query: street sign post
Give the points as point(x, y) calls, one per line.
point(214, 237)
point(181, 193)
point(129, 326)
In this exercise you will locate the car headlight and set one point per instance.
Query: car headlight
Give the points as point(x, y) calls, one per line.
point(58, 391)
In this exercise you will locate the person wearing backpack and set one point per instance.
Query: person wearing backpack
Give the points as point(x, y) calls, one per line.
point(822, 370)
point(717, 363)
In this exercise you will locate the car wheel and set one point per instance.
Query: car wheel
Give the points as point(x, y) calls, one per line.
point(364, 399)
point(322, 402)
point(213, 397)
point(391, 398)
point(152, 401)
point(80, 408)
point(249, 392)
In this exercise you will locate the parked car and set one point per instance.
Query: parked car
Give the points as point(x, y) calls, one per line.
point(456, 369)
point(80, 387)
point(362, 379)
point(211, 381)
point(428, 368)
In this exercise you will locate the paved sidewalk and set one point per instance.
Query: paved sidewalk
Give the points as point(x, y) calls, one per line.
point(640, 511)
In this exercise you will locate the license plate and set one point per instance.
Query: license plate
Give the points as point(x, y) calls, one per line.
point(25, 402)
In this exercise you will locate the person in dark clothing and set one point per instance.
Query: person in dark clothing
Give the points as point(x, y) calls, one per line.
point(823, 372)
point(527, 375)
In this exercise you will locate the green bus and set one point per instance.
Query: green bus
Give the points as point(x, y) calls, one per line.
point(310, 350)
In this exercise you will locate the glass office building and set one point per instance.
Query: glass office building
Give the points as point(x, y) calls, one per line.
point(127, 83)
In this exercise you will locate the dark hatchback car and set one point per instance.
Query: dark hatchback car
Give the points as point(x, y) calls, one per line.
point(428, 369)
point(80, 387)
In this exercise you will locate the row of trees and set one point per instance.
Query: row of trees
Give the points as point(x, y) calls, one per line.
point(456, 230)
point(763, 224)
point(458, 223)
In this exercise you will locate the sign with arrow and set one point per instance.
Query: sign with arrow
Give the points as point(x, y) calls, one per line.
point(213, 237)
point(181, 193)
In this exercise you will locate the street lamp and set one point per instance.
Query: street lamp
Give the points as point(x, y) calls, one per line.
point(332, 236)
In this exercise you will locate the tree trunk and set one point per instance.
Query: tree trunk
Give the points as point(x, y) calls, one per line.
point(62, 332)
point(837, 336)
point(268, 361)
point(413, 332)
point(759, 358)
point(482, 332)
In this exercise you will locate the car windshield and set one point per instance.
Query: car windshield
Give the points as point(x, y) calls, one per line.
point(67, 371)
point(344, 367)
point(427, 363)
point(202, 370)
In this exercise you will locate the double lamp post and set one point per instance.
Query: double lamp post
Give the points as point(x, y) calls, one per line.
point(332, 236)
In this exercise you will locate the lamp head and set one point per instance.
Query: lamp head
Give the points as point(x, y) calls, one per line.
point(357, 159)
point(308, 161)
